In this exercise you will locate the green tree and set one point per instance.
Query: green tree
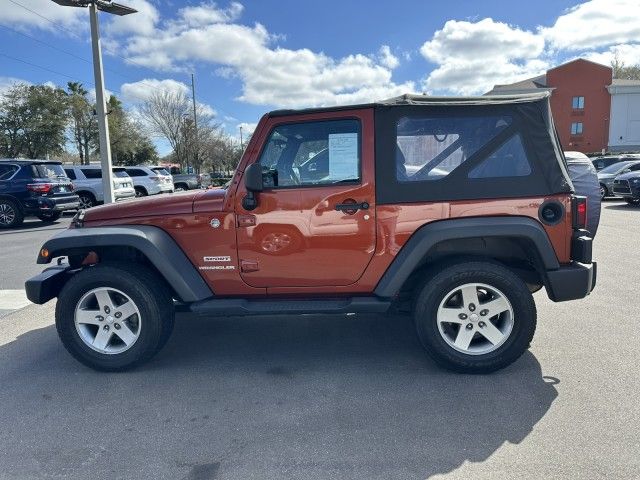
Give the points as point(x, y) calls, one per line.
point(129, 144)
point(83, 121)
point(33, 120)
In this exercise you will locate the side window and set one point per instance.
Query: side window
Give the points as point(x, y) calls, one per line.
point(312, 153)
point(70, 173)
point(635, 168)
point(430, 148)
point(509, 160)
point(7, 171)
point(92, 172)
point(136, 172)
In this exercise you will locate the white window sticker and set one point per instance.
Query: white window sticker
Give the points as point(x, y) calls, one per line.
point(343, 156)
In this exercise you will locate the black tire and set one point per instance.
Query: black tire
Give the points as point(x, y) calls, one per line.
point(141, 192)
point(11, 215)
point(485, 272)
point(87, 200)
point(50, 217)
point(149, 293)
point(181, 186)
point(634, 202)
point(604, 191)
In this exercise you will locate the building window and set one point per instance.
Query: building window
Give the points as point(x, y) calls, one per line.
point(577, 103)
point(576, 128)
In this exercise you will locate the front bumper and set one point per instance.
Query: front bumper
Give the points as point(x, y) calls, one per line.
point(48, 284)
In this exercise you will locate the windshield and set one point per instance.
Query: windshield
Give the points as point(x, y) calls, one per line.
point(616, 167)
point(48, 170)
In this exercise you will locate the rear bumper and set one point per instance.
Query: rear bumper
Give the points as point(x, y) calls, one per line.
point(571, 282)
point(47, 285)
point(38, 205)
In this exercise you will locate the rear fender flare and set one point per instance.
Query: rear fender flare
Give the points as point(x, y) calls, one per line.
point(428, 236)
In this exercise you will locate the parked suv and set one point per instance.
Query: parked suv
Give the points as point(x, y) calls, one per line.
point(33, 187)
point(87, 182)
point(147, 181)
point(452, 210)
point(186, 181)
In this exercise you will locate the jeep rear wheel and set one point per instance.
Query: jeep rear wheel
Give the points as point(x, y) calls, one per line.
point(475, 317)
point(113, 316)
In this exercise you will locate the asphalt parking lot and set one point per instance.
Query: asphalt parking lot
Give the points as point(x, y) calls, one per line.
point(330, 397)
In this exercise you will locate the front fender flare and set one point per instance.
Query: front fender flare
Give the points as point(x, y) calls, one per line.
point(154, 243)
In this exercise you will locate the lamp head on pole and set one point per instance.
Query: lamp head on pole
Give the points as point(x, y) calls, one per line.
point(103, 5)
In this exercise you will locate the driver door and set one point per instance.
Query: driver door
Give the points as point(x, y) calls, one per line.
point(314, 224)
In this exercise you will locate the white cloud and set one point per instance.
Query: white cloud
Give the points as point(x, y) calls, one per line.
point(595, 24)
point(208, 13)
point(142, 22)
point(72, 18)
point(270, 75)
point(387, 58)
point(137, 92)
point(471, 57)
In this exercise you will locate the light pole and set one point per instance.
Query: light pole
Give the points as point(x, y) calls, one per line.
point(241, 146)
point(101, 105)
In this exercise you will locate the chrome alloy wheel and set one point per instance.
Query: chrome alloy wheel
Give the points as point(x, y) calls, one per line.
point(475, 318)
point(7, 214)
point(107, 320)
point(85, 202)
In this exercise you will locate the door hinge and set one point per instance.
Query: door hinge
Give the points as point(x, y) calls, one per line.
point(249, 266)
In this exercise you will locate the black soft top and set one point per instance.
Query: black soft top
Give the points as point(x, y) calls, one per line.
point(425, 100)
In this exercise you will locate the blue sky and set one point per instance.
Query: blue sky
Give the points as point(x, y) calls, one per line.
point(253, 56)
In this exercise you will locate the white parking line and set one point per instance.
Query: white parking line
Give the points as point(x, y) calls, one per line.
point(13, 299)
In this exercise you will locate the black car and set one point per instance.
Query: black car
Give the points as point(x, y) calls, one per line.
point(606, 161)
point(33, 187)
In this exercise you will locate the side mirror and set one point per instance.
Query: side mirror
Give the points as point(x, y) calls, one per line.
point(253, 178)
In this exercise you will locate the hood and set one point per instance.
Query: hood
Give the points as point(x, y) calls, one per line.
point(166, 204)
point(628, 176)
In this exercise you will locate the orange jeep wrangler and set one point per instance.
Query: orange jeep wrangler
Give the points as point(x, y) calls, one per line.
point(453, 209)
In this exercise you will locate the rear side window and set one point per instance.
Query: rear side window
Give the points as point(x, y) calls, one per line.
point(70, 173)
point(430, 148)
point(120, 173)
point(160, 171)
point(48, 170)
point(136, 172)
point(509, 160)
point(7, 171)
point(312, 154)
point(92, 172)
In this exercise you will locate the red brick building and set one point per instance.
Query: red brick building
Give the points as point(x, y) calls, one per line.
point(580, 102)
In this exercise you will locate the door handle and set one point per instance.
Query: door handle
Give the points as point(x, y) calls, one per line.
point(352, 207)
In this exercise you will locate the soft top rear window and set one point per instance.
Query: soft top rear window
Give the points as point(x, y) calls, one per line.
point(51, 171)
point(429, 148)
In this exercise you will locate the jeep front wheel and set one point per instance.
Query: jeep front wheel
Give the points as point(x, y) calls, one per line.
point(113, 317)
point(475, 317)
